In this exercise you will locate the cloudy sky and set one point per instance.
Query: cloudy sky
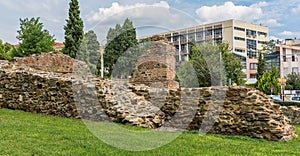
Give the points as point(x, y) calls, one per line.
point(151, 16)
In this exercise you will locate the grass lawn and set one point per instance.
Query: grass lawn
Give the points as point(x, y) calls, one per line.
point(30, 134)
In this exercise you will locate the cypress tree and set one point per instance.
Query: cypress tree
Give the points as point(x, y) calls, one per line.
point(261, 66)
point(73, 30)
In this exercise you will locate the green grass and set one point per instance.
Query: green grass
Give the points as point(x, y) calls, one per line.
point(30, 134)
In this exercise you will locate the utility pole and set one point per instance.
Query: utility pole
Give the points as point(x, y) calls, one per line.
point(102, 63)
point(221, 83)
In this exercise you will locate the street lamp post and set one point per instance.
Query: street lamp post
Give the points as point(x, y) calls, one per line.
point(282, 83)
point(102, 64)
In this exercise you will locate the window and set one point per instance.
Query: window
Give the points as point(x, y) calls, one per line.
point(239, 50)
point(218, 32)
point(191, 36)
point(295, 70)
point(253, 66)
point(252, 54)
point(253, 76)
point(284, 58)
point(261, 42)
point(182, 38)
point(285, 71)
point(199, 35)
point(176, 38)
point(183, 47)
point(239, 38)
point(208, 32)
point(293, 58)
point(239, 28)
point(262, 33)
point(251, 33)
point(251, 44)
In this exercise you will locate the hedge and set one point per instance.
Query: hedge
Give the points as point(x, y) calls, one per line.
point(289, 103)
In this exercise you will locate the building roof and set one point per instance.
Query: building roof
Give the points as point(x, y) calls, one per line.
point(58, 44)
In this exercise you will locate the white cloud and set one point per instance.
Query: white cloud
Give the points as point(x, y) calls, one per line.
point(231, 11)
point(260, 4)
point(30, 6)
point(271, 23)
point(105, 13)
point(297, 9)
point(288, 33)
point(147, 18)
point(275, 38)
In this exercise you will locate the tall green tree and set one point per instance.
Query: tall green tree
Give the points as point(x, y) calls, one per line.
point(188, 77)
point(198, 62)
point(261, 66)
point(121, 41)
point(214, 63)
point(34, 39)
point(233, 66)
point(89, 51)
point(73, 30)
point(268, 79)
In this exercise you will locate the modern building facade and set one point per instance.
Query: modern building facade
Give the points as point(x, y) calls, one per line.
point(245, 40)
point(289, 57)
point(272, 60)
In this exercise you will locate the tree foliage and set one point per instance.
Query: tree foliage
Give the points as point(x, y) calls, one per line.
point(268, 79)
point(188, 76)
point(293, 82)
point(270, 46)
point(233, 66)
point(261, 66)
point(121, 40)
point(33, 38)
point(89, 51)
point(5, 50)
point(73, 30)
point(213, 64)
point(199, 64)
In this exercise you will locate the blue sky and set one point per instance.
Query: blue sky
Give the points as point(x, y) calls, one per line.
point(149, 16)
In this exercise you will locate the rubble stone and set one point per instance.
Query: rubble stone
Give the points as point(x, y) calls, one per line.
point(222, 110)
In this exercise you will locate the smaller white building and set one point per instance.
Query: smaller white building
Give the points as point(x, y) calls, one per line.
point(289, 57)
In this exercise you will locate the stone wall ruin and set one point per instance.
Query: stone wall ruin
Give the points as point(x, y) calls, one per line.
point(156, 66)
point(243, 111)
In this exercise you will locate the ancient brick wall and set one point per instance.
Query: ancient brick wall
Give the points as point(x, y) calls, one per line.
point(223, 110)
point(292, 112)
point(50, 62)
point(156, 65)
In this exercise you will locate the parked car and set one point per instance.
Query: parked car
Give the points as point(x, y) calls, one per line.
point(295, 99)
point(275, 98)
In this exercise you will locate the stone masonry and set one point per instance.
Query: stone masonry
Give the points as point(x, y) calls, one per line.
point(156, 66)
point(222, 110)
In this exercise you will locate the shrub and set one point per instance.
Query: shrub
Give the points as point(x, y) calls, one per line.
point(289, 103)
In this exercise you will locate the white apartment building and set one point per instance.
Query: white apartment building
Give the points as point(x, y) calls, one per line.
point(289, 57)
